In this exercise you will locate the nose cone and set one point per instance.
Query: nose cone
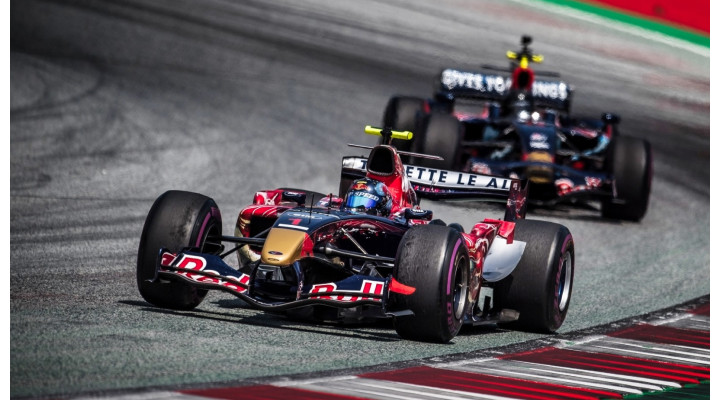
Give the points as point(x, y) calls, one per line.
point(541, 174)
point(283, 246)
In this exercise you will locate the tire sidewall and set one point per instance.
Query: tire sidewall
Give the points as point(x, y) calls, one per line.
point(555, 313)
point(458, 257)
point(631, 166)
point(533, 287)
point(177, 220)
point(429, 258)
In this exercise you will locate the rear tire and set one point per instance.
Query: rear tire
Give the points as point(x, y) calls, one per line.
point(177, 220)
point(434, 260)
point(441, 137)
point(541, 285)
point(630, 161)
point(403, 114)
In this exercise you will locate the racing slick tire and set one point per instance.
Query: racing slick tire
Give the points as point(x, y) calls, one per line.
point(441, 137)
point(630, 162)
point(541, 285)
point(402, 114)
point(177, 220)
point(434, 260)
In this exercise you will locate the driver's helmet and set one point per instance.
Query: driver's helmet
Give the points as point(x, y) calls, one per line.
point(368, 196)
point(518, 103)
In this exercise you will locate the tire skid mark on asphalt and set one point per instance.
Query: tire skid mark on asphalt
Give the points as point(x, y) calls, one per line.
point(664, 353)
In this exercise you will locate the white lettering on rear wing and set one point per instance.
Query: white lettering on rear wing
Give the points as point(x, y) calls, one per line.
point(454, 79)
point(440, 178)
point(497, 85)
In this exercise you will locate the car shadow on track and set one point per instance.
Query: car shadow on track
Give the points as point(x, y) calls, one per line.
point(239, 312)
point(381, 330)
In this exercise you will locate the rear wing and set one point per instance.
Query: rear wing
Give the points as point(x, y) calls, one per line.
point(435, 184)
point(489, 86)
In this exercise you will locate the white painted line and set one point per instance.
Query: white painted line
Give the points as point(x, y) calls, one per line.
point(313, 381)
point(622, 380)
point(677, 349)
point(302, 228)
point(425, 391)
point(570, 382)
point(656, 355)
point(629, 377)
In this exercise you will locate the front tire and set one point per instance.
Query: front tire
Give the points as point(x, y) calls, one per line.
point(434, 260)
point(631, 163)
point(177, 220)
point(541, 285)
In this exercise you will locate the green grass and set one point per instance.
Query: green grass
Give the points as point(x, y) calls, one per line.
point(687, 392)
point(668, 29)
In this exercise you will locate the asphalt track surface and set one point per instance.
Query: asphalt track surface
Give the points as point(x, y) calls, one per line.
point(115, 102)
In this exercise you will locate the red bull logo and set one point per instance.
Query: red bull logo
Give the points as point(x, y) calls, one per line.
point(564, 186)
point(361, 185)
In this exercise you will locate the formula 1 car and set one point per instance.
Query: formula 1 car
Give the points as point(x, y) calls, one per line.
point(518, 126)
point(311, 255)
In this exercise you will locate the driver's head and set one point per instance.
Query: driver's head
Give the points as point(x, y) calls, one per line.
point(368, 196)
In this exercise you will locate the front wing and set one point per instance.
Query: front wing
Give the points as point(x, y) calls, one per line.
point(207, 271)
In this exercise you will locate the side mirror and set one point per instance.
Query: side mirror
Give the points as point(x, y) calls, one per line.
point(425, 215)
point(610, 118)
point(444, 97)
point(297, 197)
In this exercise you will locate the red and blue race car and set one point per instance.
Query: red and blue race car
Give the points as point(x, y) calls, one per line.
point(515, 125)
point(373, 253)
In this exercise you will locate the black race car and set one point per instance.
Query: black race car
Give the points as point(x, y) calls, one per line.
point(514, 125)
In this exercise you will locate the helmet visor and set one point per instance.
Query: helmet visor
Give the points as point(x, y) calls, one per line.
point(361, 199)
